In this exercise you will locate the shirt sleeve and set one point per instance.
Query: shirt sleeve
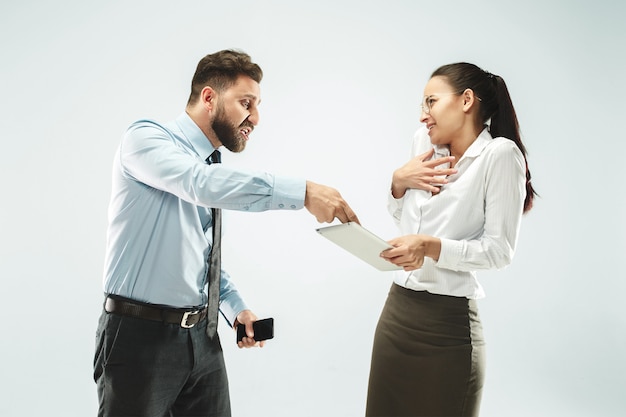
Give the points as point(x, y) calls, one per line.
point(505, 191)
point(394, 206)
point(231, 301)
point(150, 155)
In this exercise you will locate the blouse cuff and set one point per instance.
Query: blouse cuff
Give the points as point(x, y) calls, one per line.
point(394, 205)
point(451, 253)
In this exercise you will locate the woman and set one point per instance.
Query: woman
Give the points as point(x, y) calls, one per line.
point(458, 204)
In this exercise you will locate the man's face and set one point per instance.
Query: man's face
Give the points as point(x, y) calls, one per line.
point(237, 114)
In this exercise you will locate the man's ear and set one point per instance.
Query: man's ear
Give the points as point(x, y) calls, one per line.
point(208, 98)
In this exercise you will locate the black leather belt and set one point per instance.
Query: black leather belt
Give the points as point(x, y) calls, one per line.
point(126, 307)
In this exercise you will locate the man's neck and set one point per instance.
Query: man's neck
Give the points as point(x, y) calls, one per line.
point(201, 119)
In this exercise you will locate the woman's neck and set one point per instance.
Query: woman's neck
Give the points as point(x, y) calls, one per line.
point(462, 142)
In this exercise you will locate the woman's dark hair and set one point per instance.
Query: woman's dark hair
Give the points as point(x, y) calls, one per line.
point(221, 70)
point(494, 103)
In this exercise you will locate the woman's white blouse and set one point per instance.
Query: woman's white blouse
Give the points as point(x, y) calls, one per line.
point(476, 215)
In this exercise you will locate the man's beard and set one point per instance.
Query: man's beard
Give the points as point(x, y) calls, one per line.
point(228, 133)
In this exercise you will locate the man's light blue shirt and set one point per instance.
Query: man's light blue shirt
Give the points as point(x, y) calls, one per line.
point(160, 223)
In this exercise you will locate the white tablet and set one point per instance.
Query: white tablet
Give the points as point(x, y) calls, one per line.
point(360, 242)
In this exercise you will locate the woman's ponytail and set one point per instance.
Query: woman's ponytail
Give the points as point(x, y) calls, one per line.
point(504, 123)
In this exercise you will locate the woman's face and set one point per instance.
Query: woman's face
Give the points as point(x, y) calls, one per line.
point(442, 111)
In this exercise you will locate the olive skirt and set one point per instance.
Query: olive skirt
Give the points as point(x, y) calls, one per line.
point(427, 358)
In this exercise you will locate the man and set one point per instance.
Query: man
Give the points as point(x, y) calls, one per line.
point(156, 354)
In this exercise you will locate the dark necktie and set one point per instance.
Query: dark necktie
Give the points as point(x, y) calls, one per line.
point(214, 261)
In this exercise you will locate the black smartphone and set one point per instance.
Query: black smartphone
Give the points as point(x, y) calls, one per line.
point(263, 330)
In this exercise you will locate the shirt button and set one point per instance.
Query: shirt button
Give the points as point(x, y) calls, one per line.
point(293, 206)
point(281, 205)
point(246, 208)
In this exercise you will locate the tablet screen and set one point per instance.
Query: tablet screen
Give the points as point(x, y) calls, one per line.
point(360, 242)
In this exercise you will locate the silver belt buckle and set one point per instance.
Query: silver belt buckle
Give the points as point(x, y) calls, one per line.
point(183, 322)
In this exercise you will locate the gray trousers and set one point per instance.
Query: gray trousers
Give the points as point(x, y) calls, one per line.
point(148, 368)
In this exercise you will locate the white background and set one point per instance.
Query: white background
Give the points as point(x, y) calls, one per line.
point(341, 93)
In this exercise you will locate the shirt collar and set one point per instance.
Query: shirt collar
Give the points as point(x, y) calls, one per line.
point(474, 149)
point(479, 144)
point(195, 136)
point(441, 151)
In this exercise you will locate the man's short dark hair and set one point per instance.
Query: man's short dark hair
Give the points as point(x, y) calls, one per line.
point(220, 71)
